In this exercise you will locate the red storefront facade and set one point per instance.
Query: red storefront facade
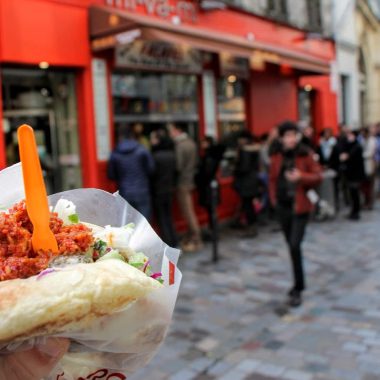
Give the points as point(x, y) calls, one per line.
point(257, 90)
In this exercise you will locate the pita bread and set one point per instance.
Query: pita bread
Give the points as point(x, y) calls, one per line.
point(69, 298)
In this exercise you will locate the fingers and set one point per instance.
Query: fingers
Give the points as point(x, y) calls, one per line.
point(36, 363)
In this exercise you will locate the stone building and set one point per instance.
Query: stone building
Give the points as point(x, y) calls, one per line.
point(367, 20)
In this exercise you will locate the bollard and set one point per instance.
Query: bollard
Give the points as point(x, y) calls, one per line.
point(214, 219)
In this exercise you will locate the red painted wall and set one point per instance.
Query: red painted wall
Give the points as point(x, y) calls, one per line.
point(325, 107)
point(55, 31)
point(273, 99)
point(32, 31)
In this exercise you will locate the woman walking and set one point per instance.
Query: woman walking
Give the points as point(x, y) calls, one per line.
point(293, 173)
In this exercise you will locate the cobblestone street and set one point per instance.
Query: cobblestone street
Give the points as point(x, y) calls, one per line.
point(231, 323)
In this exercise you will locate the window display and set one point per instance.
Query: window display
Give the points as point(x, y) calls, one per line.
point(154, 100)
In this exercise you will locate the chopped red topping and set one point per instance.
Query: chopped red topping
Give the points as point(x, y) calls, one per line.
point(17, 258)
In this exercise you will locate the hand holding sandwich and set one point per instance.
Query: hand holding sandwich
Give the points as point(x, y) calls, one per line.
point(34, 364)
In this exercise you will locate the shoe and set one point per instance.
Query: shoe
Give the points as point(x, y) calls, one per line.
point(353, 217)
point(295, 299)
point(191, 247)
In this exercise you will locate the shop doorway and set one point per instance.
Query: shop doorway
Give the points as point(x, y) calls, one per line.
point(46, 101)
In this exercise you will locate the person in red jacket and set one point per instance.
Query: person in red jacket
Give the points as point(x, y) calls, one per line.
point(293, 172)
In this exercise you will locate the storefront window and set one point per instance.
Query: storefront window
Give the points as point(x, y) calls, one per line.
point(154, 100)
point(231, 116)
point(45, 100)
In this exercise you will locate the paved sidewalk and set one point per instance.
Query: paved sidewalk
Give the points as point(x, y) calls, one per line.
point(230, 322)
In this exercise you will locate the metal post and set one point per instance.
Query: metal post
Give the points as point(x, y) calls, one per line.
point(214, 220)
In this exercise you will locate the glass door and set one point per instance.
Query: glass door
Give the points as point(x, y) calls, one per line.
point(46, 101)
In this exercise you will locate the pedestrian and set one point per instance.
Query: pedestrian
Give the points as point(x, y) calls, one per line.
point(353, 167)
point(328, 155)
point(369, 145)
point(211, 157)
point(139, 136)
point(163, 184)
point(187, 160)
point(293, 173)
point(308, 137)
point(131, 166)
point(247, 182)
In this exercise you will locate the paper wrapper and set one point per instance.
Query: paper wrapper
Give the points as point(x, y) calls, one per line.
point(115, 346)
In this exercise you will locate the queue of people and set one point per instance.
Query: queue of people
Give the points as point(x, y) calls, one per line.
point(150, 173)
point(277, 175)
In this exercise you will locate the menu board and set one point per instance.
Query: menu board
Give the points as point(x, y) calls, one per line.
point(158, 55)
point(101, 109)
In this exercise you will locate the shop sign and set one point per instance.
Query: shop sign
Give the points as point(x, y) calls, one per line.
point(182, 9)
point(158, 55)
point(232, 65)
point(101, 107)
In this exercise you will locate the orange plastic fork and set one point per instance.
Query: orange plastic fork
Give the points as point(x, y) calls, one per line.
point(35, 191)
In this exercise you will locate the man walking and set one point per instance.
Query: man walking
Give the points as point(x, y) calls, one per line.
point(186, 155)
point(293, 173)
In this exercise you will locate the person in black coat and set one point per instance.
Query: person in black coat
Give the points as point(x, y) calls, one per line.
point(353, 167)
point(131, 166)
point(163, 184)
point(247, 182)
point(212, 155)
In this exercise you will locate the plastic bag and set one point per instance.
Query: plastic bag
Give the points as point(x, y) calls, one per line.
point(117, 345)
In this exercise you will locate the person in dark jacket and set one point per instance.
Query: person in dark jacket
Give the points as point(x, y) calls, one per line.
point(131, 166)
point(163, 184)
point(247, 182)
point(293, 173)
point(211, 156)
point(353, 167)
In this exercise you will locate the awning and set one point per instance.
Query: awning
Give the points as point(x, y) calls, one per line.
point(108, 23)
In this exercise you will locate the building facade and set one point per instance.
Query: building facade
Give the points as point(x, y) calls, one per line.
point(79, 71)
point(347, 74)
point(367, 19)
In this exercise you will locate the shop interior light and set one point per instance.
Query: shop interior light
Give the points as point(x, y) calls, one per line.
point(43, 65)
point(308, 87)
point(231, 78)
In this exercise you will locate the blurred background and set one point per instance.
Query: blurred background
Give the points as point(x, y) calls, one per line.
point(86, 74)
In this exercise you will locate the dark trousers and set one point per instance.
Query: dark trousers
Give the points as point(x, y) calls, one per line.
point(163, 210)
point(355, 198)
point(248, 209)
point(294, 227)
point(141, 203)
point(368, 189)
point(337, 182)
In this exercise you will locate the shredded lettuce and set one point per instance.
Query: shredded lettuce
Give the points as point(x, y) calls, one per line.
point(113, 254)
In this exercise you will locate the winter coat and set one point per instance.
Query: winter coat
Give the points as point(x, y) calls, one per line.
point(354, 166)
point(247, 182)
point(164, 177)
point(207, 170)
point(187, 159)
point(311, 176)
point(131, 165)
